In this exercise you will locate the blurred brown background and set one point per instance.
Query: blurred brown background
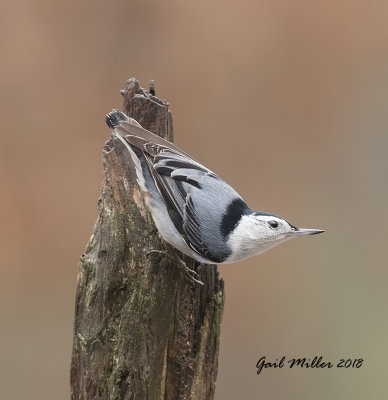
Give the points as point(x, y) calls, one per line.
point(285, 100)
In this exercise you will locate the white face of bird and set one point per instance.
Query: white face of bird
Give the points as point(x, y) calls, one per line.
point(267, 229)
point(258, 232)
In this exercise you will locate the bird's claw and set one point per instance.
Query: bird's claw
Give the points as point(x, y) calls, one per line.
point(188, 272)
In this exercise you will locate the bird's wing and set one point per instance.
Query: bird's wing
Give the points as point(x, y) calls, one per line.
point(177, 176)
point(184, 178)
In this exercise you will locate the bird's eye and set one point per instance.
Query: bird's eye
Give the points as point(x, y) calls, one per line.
point(273, 224)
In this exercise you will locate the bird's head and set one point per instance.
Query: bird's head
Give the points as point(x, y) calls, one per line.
point(258, 232)
point(273, 228)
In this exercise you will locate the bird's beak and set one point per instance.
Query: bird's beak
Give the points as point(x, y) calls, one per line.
point(306, 231)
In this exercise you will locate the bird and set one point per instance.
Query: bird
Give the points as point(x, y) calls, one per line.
point(194, 210)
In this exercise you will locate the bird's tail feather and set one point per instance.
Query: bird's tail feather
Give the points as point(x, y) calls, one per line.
point(136, 161)
point(114, 118)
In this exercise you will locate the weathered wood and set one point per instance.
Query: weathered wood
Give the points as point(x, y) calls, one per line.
point(142, 330)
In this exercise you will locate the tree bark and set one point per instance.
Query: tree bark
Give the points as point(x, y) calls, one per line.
point(142, 330)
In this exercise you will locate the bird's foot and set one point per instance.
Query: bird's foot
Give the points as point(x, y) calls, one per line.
point(189, 273)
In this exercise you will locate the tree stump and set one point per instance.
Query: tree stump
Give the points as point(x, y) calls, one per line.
point(142, 330)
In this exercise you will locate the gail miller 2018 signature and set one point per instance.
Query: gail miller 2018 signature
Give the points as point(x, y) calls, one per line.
point(316, 362)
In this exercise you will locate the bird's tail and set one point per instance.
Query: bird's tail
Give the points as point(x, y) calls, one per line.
point(114, 118)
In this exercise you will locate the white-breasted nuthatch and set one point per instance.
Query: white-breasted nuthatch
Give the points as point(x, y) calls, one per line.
point(193, 209)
